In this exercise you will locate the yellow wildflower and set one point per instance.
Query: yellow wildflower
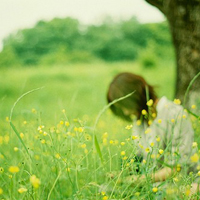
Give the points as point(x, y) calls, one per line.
point(193, 106)
point(68, 169)
point(40, 127)
point(147, 150)
point(83, 146)
point(160, 151)
point(16, 149)
point(43, 141)
point(155, 189)
point(195, 158)
point(187, 192)
point(128, 127)
point(57, 156)
point(75, 129)
point(67, 123)
point(61, 122)
point(37, 157)
point(184, 116)
point(153, 115)
point(13, 169)
point(105, 198)
point(138, 122)
point(177, 101)
point(35, 181)
point(159, 121)
point(158, 139)
point(123, 153)
point(172, 120)
point(21, 135)
point(22, 190)
point(45, 133)
point(134, 137)
point(194, 144)
point(80, 129)
point(175, 179)
point(152, 144)
point(1, 191)
point(111, 141)
point(144, 112)
point(137, 194)
point(178, 167)
point(122, 143)
point(125, 158)
point(150, 102)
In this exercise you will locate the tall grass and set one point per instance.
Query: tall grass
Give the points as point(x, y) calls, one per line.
point(56, 127)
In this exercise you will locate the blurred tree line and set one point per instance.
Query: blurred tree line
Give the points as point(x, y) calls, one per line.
point(62, 41)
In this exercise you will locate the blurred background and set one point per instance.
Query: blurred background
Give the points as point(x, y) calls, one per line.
point(73, 49)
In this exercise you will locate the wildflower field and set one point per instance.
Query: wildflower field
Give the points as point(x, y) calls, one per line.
point(58, 140)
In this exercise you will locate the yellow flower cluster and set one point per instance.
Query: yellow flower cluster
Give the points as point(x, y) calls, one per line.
point(128, 127)
point(13, 169)
point(35, 181)
point(150, 102)
point(177, 101)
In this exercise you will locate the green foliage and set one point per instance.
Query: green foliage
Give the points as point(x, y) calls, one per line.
point(8, 57)
point(62, 41)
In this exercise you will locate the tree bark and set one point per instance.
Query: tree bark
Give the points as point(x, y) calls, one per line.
point(184, 21)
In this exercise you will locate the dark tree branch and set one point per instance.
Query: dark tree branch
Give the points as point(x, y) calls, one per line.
point(156, 3)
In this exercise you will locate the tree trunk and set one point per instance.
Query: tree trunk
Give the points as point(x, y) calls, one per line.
point(184, 20)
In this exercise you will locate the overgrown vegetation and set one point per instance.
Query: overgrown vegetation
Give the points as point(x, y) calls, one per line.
point(62, 41)
point(56, 125)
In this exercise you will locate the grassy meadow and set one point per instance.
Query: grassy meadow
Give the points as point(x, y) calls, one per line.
point(55, 153)
point(79, 88)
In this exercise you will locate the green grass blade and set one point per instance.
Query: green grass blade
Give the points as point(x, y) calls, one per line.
point(97, 146)
point(18, 135)
point(11, 112)
point(198, 117)
point(110, 104)
point(98, 117)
